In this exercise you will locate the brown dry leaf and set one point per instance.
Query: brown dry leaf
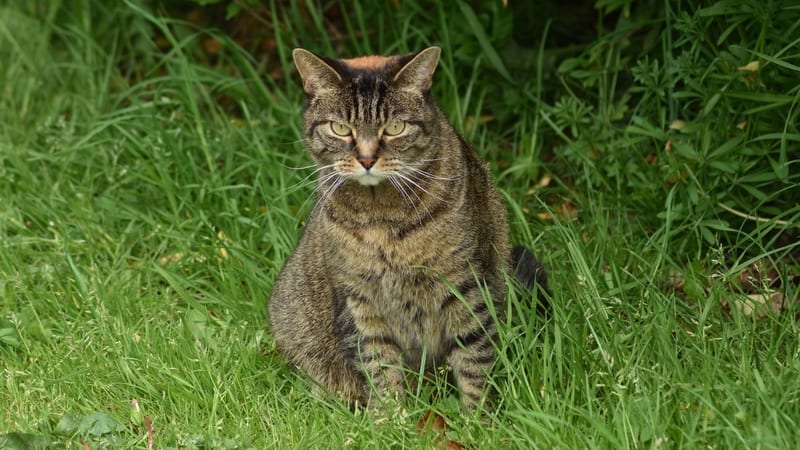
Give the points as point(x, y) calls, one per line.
point(568, 210)
point(564, 211)
point(431, 421)
point(452, 445)
point(651, 159)
point(149, 425)
point(758, 276)
point(212, 46)
point(434, 422)
point(757, 305)
point(544, 181)
point(668, 146)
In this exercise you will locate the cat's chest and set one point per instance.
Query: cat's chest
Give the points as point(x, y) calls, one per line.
point(401, 279)
point(382, 246)
point(410, 304)
point(401, 275)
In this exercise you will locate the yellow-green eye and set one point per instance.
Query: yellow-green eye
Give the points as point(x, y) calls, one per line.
point(340, 129)
point(394, 127)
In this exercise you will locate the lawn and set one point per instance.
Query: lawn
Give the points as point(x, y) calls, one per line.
point(153, 179)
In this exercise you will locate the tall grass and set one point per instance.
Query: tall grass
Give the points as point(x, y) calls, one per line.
point(150, 195)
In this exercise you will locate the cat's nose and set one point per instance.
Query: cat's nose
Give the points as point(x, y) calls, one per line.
point(367, 161)
point(367, 151)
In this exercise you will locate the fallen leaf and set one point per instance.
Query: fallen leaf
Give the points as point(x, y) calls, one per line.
point(568, 210)
point(752, 66)
point(212, 46)
point(757, 305)
point(677, 125)
point(434, 422)
point(544, 181)
point(453, 445)
point(759, 276)
point(149, 425)
point(431, 421)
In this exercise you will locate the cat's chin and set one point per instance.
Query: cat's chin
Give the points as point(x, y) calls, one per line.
point(368, 179)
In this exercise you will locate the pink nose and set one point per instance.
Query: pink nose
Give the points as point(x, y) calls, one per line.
point(367, 161)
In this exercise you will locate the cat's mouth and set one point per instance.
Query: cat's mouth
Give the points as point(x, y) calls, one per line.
point(368, 179)
point(367, 171)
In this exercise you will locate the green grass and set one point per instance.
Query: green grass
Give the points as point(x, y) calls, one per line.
point(149, 196)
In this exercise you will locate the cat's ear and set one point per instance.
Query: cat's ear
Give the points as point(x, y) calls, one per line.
point(417, 74)
point(317, 75)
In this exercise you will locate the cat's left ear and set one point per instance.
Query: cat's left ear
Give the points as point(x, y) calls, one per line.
point(417, 74)
point(317, 75)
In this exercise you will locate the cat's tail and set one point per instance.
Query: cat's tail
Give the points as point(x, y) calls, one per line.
point(531, 275)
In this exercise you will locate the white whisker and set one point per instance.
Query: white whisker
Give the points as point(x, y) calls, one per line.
point(431, 176)
point(401, 184)
point(310, 166)
point(431, 160)
point(414, 182)
point(326, 185)
point(307, 179)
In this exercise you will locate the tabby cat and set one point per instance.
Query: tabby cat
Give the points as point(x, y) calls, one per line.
point(407, 233)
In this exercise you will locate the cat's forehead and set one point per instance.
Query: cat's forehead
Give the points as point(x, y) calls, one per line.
point(372, 62)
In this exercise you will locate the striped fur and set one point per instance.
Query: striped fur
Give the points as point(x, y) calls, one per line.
point(400, 220)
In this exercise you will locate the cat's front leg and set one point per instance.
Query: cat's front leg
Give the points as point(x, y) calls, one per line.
point(470, 366)
point(471, 353)
point(382, 363)
point(379, 353)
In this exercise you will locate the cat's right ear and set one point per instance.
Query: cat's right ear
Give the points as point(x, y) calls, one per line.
point(317, 75)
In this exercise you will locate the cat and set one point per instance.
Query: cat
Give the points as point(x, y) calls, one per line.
point(407, 237)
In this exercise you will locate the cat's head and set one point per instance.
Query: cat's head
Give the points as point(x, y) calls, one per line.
point(370, 119)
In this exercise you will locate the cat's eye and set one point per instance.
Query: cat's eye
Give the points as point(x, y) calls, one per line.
point(394, 127)
point(340, 129)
